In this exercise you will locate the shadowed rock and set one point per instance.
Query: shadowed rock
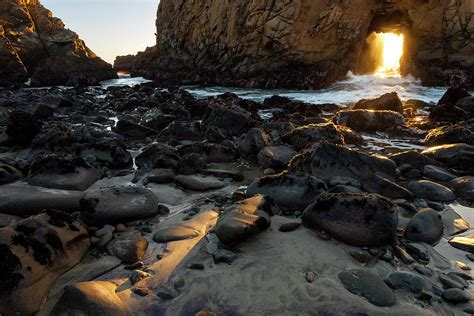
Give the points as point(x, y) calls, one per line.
point(389, 102)
point(369, 120)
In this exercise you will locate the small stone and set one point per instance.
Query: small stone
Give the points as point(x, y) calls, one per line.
point(141, 291)
point(165, 294)
point(224, 256)
point(120, 228)
point(403, 255)
point(423, 270)
point(139, 265)
point(104, 240)
point(310, 277)
point(163, 209)
point(289, 227)
point(196, 266)
point(138, 275)
point(361, 256)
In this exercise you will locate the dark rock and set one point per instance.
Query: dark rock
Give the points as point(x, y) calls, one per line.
point(199, 183)
point(133, 130)
point(388, 101)
point(21, 128)
point(369, 121)
point(303, 136)
point(224, 121)
point(431, 191)
point(291, 191)
point(289, 227)
point(368, 285)
point(328, 160)
point(243, 220)
point(191, 164)
point(406, 280)
point(224, 256)
point(161, 176)
point(426, 226)
point(53, 134)
point(464, 187)
point(386, 188)
point(213, 153)
point(453, 95)
point(157, 156)
point(90, 298)
point(8, 174)
point(437, 173)
point(182, 131)
point(456, 296)
point(129, 249)
point(455, 156)
point(251, 143)
point(453, 281)
point(451, 134)
point(413, 158)
point(112, 153)
point(174, 234)
point(356, 219)
point(276, 157)
point(118, 205)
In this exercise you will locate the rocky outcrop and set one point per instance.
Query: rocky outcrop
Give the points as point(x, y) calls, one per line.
point(36, 45)
point(304, 43)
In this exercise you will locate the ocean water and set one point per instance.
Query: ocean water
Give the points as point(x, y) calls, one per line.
point(350, 90)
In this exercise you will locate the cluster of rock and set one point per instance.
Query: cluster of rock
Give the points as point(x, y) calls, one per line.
point(304, 44)
point(36, 45)
point(86, 175)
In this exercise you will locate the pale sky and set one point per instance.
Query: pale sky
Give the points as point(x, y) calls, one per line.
point(109, 27)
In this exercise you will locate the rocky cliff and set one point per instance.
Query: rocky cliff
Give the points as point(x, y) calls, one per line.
point(304, 43)
point(36, 45)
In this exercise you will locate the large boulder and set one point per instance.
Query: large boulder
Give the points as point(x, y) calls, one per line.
point(118, 205)
point(290, 191)
point(303, 136)
point(389, 101)
point(455, 156)
point(356, 219)
point(328, 160)
point(90, 298)
point(244, 219)
point(368, 120)
point(33, 253)
point(451, 134)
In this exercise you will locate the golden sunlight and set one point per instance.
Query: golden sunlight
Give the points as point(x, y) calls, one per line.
point(392, 53)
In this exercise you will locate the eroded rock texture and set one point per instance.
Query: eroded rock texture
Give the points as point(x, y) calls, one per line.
point(36, 45)
point(304, 43)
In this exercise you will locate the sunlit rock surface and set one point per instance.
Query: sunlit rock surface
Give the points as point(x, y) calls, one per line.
point(303, 43)
point(36, 45)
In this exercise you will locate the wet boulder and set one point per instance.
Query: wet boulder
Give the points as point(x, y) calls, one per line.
point(385, 187)
point(253, 141)
point(288, 190)
point(303, 136)
point(413, 158)
point(451, 134)
point(329, 160)
point(191, 164)
point(244, 219)
point(389, 101)
point(61, 171)
point(110, 152)
point(276, 157)
point(356, 219)
point(133, 130)
point(453, 95)
point(157, 156)
point(431, 191)
point(455, 156)
point(34, 252)
point(368, 120)
point(90, 298)
point(53, 134)
point(437, 173)
point(223, 121)
point(425, 226)
point(22, 128)
point(368, 285)
point(118, 205)
point(463, 187)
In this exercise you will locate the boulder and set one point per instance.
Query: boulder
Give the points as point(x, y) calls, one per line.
point(368, 120)
point(451, 134)
point(199, 183)
point(385, 187)
point(182, 131)
point(22, 128)
point(157, 156)
point(160, 176)
point(118, 205)
point(275, 157)
point(425, 226)
point(431, 191)
point(34, 253)
point(251, 143)
point(128, 248)
point(463, 187)
point(212, 152)
point(223, 121)
point(455, 156)
point(191, 164)
point(437, 173)
point(113, 153)
point(244, 219)
point(90, 298)
point(133, 130)
point(290, 191)
point(8, 173)
point(356, 219)
point(53, 134)
point(328, 160)
point(303, 136)
point(413, 158)
point(406, 280)
point(61, 171)
point(368, 285)
point(389, 102)
point(453, 95)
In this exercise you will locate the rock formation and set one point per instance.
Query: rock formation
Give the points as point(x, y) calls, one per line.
point(36, 45)
point(303, 43)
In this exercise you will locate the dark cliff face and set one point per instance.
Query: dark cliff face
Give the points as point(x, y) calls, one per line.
point(36, 45)
point(303, 43)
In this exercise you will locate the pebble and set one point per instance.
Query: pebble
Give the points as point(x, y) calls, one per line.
point(310, 277)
